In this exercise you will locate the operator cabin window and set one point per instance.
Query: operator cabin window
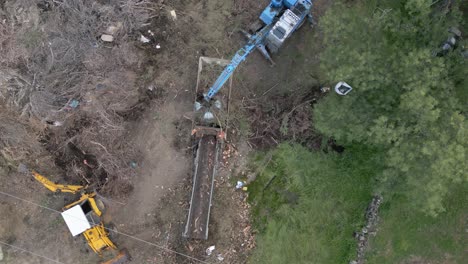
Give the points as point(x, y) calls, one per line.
point(86, 206)
point(300, 9)
point(279, 32)
point(343, 89)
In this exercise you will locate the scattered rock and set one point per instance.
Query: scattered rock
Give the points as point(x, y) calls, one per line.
point(370, 228)
point(22, 168)
point(173, 15)
point(324, 89)
point(144, 39)
point(57, 123)
point(240, 184)
point(210, 250)
point(107, 38)
point(111, 30)
point(74, 103)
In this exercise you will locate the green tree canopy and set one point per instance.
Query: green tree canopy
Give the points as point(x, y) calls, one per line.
point(404, 100)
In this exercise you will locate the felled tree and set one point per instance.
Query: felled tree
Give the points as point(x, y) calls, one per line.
point(404, 100)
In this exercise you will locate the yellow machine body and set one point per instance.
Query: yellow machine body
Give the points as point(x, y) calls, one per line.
point(98, 239)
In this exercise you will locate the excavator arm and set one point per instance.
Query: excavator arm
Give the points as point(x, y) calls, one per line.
point(54, 187)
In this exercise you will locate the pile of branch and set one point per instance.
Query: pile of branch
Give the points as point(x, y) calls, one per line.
point(55, 68)
point(245, 7)
point(272, 122)
point(57, 49)
point(17, 142)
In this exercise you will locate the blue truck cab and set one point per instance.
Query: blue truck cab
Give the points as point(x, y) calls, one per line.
point(274, 8)
point(289, 16)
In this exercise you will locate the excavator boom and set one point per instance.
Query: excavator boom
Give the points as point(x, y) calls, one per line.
point(54, 187)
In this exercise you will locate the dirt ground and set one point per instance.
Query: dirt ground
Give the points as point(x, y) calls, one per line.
point(155, 207)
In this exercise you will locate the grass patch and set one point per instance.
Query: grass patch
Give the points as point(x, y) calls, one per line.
point(306, 205)
point(405, 233)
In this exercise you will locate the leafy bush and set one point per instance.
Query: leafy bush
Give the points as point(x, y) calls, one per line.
point(308, 204)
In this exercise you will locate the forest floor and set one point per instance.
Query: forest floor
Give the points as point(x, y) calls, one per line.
point(149, 197)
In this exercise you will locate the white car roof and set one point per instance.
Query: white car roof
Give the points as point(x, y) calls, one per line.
point(76, 220)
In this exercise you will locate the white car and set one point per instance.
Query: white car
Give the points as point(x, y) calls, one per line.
point(343, 88)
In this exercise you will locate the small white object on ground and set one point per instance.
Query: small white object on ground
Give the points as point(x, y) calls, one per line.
point(58, 123)
point(173, 14)
point(220, 257)
point(158, 46)
point(208, 116)
point(240, 184)
point(197, 106)
point(324, 89)
point(218, 104)
point(144, 39)
point(107, 38)
point(210, 250)
point(112, 29)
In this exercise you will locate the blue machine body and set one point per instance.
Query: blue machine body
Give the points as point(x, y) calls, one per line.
point(270, 16)
point(274, 8)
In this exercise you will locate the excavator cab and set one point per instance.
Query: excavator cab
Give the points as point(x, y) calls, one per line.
point(83, 217)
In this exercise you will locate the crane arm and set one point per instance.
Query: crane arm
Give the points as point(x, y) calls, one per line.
point(254, 41)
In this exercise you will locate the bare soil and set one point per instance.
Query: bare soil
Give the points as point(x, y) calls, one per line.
point(135, 126)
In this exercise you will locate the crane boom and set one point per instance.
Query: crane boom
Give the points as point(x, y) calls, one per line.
point(254, 41)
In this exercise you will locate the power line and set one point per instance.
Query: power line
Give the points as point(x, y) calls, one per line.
point(30, 252)
point(111, 230)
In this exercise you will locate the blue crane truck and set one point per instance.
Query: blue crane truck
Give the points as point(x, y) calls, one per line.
point(280, 19)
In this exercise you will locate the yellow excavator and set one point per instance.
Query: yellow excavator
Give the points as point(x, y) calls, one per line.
point(84, 217)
